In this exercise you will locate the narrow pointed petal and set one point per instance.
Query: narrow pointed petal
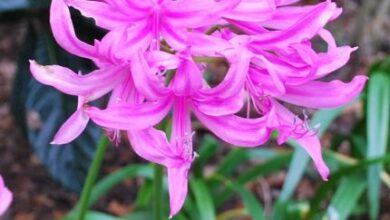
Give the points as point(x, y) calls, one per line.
point(306, 28)
point(72, 128)
point(236, 130)
point(318, 94)
point(333, 60)
point(126, 116)
point(178, 187)
point(63, 31)
point(309, 141)
point(151, 144)
point(312, 146)
point(91, 86)
point(5, 197)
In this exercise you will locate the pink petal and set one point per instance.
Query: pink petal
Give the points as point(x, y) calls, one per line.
point(305, 28)
point(236, 130)
point(252, 11)
point(151, 144)
point(161, 60)
point(215, 106)
point(92, 86)
point(318, 94)
point(126, 116)
point(5, 197)
point(63, 31)
point(308, 141)
point(234, 80)
point(178, 187)
point(98, 10)
point(72, 128)
point(145, 79)
point(188, 78)
point(121, 44)
point(200, 13)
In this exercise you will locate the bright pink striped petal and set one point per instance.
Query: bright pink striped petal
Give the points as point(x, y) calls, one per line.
point(63, 31)
point(318, 94)
point(72, 128)
point(126, 116)
point(91, 86)
point(236, 130)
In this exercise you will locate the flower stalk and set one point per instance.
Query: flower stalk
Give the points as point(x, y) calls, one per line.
point(158, 192)
point(91, 177)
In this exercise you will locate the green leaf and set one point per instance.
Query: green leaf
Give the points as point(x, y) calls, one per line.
point(231, 161)
point(92, 215)
point(203, 199)
point(207, 149)
point(326, 187)
point(47, 109)
point(301, 158)
point(137, 216)
point(269, 166)
point(144, 195)
point(252, 205)
point(110, 181)
point(344, 200)
point(378, 114)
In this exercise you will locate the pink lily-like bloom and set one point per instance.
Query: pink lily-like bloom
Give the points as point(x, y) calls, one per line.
point(266, 44)
point(5, 197)
point(183, 95)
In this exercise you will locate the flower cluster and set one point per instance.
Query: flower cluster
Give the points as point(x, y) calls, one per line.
point(154, 63)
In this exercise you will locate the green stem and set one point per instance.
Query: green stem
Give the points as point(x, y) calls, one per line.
point(158, 192)
point(91, 177)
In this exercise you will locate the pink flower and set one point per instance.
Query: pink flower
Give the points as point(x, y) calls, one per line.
point(266, 44)
point(5, 197)
point(183, 95)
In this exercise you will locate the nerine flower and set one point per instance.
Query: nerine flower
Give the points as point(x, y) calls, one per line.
point(153, 63)
point(5, 197)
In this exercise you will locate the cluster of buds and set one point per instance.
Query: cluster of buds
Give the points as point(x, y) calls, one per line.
point(154, 62)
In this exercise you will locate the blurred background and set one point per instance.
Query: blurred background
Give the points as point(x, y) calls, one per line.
point(274, 181)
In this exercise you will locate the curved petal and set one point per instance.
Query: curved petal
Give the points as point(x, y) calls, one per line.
point(317, 94)
point(199, 14)
point(160, 60)
point(307, 139)
point(63, 31)
point(121, 44)
point(100, 12)
point(72, 128)
point(145, 79)
point(252, 11)
point(234, 80)
point(5, 197)
point(126, 116)
point(215, 106)
point(151, 144)
point(178, 187)
point(236, 130)
point(188, 78)
point(91, 86)
point(305, 28)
